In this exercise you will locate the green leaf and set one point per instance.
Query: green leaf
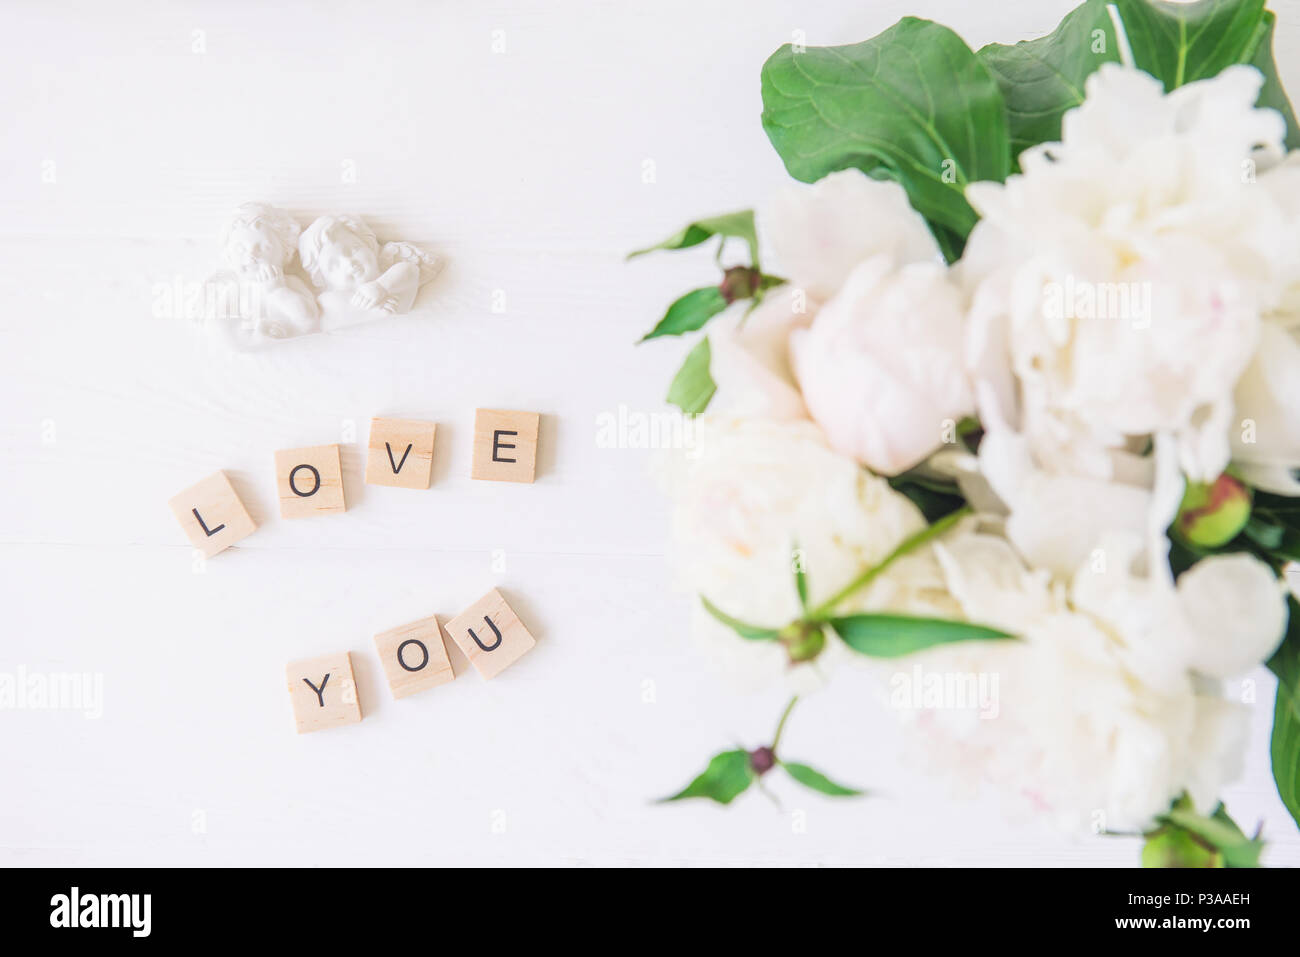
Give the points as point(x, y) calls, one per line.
point(1284, 749)
point(913, 104)
point(1273, 96)
point(689, 313)
point(1219, 832)
point(1284, 745)
point(1285, 662)
point(1174, 42)
point(752, 632)
point(725, 779)
point(1181, 42)
point(800, 578)
point(810, 778)
point(693, 387)
point(933, 500)
point(891, 636)
point(737, 225)
point(1041, 79)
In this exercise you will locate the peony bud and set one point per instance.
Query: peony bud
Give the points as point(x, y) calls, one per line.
point(803, 641)
point(1212, 514)
point(740, 282)
point(762, 760)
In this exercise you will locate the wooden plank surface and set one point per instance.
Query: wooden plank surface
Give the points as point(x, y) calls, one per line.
point(532, 146)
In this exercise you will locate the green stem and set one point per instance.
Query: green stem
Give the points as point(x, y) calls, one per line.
point(780, 726)
point(824, 610)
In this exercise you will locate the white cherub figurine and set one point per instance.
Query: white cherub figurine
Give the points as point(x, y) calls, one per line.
point(258, 243)
point(358, 279)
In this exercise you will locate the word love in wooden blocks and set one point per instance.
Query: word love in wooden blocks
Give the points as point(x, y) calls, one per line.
point(505, 445)
point(490, 635)
point(309, 481)
point(414, 657)
point(323, 692)
point(212, 515)
point(400, 453)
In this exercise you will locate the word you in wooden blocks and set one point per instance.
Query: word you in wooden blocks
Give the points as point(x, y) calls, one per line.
point(490, 635)
point(414, 657)
point(310, 481)
point(505, 445)
point(212, 515)
point(400, 453)
point(323, 692)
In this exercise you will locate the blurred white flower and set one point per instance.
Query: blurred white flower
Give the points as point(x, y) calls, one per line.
point(819, 233)
point(751, 362)
point(1099, 717)
point(1235, 613)
point(881, 365)
point(1118, 283)
point(745, 496)
point(1265, 432)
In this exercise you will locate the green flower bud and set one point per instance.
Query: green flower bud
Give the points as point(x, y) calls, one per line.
point(1212, 515)
point(1174, 847)
point(803, 640)
point(739, 282)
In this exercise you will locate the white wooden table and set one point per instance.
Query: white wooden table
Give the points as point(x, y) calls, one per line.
point(515, 138)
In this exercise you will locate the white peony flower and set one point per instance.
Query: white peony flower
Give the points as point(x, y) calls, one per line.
point(749, 492)
point(1266, 434)
point(881, 370)
point(1085, 723)
point(750, 363)
point(881, 365)
point(1235, 613)
point(1118, 283)
point(821, 232)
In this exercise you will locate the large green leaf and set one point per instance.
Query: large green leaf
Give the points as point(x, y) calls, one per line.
point(725, 779)
point(690, 312)
point(1181, 42)
point(1174, 42)
point(1284, 746)
point(1273, 95)
point(890, 636)
point(1041, 79)
point(913, 104)
point(693, 386)
point(1284, 749)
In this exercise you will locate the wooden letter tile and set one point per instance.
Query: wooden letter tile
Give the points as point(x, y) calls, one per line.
point(212, 515)
point(414, 657)
point(490, 635)
point(401, 453)
point(310, 481)
point(505, 445)
point(323, 693)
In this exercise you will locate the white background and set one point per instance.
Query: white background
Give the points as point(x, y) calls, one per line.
point(525, 167)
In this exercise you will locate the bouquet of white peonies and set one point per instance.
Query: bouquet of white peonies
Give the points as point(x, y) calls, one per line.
point(1020, 399)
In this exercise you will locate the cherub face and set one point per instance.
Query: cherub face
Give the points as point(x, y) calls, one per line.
point(252, 247)
point(346, 261)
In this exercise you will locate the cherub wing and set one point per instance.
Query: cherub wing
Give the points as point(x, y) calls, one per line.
point(398, 252)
